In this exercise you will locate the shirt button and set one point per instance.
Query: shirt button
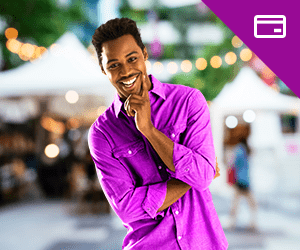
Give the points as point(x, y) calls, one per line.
point(129, 152)
point(177, 212)
point(173, 135)
point(179, 237)
point(159, 167)
point(187, 169)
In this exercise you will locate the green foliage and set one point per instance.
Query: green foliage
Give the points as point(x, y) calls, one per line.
point(40, 22)
point(210, 81)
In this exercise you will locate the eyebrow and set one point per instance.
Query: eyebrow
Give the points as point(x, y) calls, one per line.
point(114, 60)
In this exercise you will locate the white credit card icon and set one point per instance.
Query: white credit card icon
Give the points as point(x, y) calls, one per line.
point(270, 26)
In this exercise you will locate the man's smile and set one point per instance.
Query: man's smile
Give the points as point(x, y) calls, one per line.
point(130, 83)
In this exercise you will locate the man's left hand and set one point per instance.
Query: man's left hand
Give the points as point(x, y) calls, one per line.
point(217, 170)
point(139, 107)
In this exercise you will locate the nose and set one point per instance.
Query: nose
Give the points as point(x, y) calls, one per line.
point(125, 70)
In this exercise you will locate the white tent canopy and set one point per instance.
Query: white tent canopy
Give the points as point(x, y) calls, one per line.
point(248, 91)
point(68, 66)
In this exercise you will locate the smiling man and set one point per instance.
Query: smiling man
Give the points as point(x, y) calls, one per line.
point(153, 150)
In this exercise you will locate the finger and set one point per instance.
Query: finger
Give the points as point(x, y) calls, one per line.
point(130, 111)
point(127, 106)
point(126, 103)
point(144, 86)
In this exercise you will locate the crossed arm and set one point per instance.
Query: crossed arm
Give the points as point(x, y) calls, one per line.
point(164, 147)
point(138, 106)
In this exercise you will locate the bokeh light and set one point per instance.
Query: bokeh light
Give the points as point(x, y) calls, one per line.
point(216, 62)
point(13, 45)
point(231, 121)
point(201, 64)
point(267, 73)
point(148, 65)
point(236, 42)
point(186, 66)
point(230, 58)
point(36, 55)
point(246, 55)
point(101, 110)
point(73, 123)
point(26, 51)
point(53, 126)
point(249, 116)
point(11, 33)
point(51, 150)
point(172, 67)
point(72, 96)
point(158, 67)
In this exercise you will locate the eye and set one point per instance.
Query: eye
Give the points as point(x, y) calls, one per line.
point(131, 59)
point(113, 66)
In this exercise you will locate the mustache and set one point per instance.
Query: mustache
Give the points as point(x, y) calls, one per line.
point(124, 79)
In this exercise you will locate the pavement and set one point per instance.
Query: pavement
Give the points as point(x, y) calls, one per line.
point(51, 225)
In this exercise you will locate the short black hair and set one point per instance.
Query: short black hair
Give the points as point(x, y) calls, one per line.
point(114, 29)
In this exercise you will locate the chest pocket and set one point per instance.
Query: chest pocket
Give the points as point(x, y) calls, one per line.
point(128, 150)
point(135, 158)
point(174, 132)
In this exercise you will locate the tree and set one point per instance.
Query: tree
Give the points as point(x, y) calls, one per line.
point(39, 22)
point(210, 81)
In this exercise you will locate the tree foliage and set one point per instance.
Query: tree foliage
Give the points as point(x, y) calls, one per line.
point(39, 22)
point(210, 81)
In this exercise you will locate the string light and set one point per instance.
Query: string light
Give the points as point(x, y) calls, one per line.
point(148, 65)
point(246, 55)
point(13, 45)
point(236, 42)
point(216, 62)
point(27, 51)
point(230, 58)
point(186, 66)
point(11, 33)
point(158, 67)
point(172, 67)
point(201, 64)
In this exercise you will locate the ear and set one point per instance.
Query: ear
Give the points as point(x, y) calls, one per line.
point(102, 69)
point(145, 53)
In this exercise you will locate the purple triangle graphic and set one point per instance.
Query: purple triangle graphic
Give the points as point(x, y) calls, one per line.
point(281, 55)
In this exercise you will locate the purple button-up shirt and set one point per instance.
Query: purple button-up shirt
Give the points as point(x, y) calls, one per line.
point(134, 178)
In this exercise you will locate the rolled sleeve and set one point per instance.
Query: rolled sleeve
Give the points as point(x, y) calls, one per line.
point(131, 203)
point(155, 198)
point(194, 159)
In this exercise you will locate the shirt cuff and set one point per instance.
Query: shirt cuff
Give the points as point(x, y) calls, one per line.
point(155, 197)
point(181, 156)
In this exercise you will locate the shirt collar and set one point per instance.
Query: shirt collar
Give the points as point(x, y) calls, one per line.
point(158, 89)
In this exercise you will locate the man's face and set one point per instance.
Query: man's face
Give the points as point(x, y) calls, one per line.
point(123, 62)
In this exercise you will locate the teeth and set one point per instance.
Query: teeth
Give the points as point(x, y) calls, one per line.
point(130, 82)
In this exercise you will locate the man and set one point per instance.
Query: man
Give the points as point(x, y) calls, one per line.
point(153, 150)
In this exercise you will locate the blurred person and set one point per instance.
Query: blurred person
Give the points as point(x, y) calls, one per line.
point(8, 181)
point(153, 150)
point(242, 185)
